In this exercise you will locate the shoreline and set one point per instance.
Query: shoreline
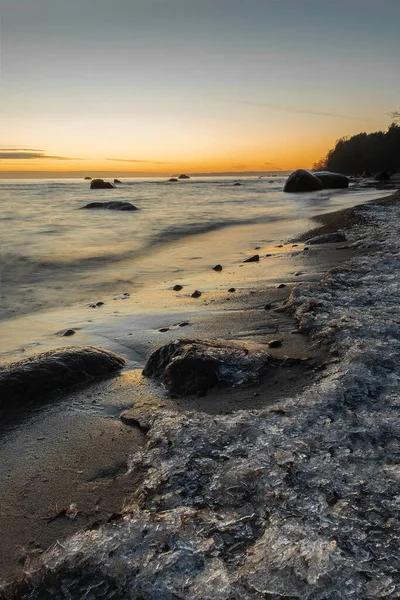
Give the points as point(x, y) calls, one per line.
point(243, 314)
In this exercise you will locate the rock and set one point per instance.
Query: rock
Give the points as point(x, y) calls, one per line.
point(274, 343)
point(112, 205)
point(327, 238)
point(237, 183)
point(88, 179)
point(183, 176)
point(68, 332)
point(187, 367)
point(163, 329)
point(367, 173)
point(172, 179)
point(196, 294)
point(332, 180)
point(231, 290)
point(302, 181)
point(33, 378)
point(117, 181)
point(382, 176)
point(254, 258)
point(268, 306)
point(177, 287)
point(281, 285)
point(217, 268)
point(100, 184)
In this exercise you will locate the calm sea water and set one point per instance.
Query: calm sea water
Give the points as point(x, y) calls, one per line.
point(52, 253)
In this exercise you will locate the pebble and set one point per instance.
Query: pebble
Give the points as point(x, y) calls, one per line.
point(274, 343)
point(177, 287)
point(217, 268)
point(268, 307)
point(254, 258)
point(232, 290)
point(68, 332)
point(163, 329)
point(281, 285)
point(196, 294)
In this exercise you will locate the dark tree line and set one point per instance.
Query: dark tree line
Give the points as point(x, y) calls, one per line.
point(365, 151)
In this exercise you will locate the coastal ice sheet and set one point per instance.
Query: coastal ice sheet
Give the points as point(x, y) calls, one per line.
point(300, 500)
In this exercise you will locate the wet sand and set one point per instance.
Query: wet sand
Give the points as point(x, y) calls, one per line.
point(64, 467)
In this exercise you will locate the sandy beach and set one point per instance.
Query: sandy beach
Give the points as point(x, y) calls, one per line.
point(65, 466)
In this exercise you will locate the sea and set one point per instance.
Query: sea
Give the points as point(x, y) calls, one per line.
point(53, 253)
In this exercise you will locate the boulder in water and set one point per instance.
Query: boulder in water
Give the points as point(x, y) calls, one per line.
point(302, 181)
point(112, 205)
point(88, 179)
point(117, 181)
point(39, 376)
point(187, 367)
point(100, 184)
point(332, 180)
point(172, 179)
point(183, 176)
point(382, 176)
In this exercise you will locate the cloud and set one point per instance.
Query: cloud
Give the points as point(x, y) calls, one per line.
point(16, 149)
point(25, 154)
point(304, 111)
point(138, 160)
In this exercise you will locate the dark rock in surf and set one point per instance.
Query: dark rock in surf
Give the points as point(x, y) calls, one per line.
point(237, 183)
point(117, 181)
point(35, 378)
point(172, 179)
point(100, 184)
point(217, 268)
point(112, 205)
point(302, 181)
point(187, 367)
point(382, 176)
point(327, 238)
point(332, 181)
point(183, 176)
point(254, 258)
point(88, 179)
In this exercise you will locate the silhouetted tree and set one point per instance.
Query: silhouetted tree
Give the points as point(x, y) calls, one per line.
point(373, 151)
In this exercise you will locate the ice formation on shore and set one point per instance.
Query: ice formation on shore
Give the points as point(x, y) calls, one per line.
point(300, 500)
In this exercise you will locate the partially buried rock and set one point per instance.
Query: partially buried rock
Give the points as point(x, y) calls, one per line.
point(254, 258)
point(327, 238)
point(196, 294)
point(274, 343)
point(100, 184)
point(231, 290)
point(187, 367)
point(382, 176)
point(177, 287)
point(237, 183)
point(183, 176)
point(117, 181)
point(332, 180)
point(34, 378)
point(302, 181)
point(112, 205)
point(172, 179)
point(68, 332)
point(217, 268)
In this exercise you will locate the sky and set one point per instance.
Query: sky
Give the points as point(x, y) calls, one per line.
point(171, 86)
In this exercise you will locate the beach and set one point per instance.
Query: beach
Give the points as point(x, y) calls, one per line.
point(77, 452)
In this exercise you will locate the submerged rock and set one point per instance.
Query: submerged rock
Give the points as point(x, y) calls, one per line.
point(302, 181)
point(327, 238)
point(187, 367)
point(332, 180)
point(100, 184)
point(112, 205)
point(38, 376)
point(172, 179)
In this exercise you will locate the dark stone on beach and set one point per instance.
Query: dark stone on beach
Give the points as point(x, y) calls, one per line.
point(332, 180)
point(163, 329)
point(172, 179)
point(187, 367)
point(112, 205)
point(117, 181)
point(268, 306)
point(274, 343)
point(298, 273)
point(327, 238)
point(177, 287)
point(254, 258)
point(100, 184)
point(281, 285)
point(302, 181)
point(183, 176)
point(237, 183)
point(68, 332)
point(50, 372)
point(196, 294)
point(382, 176)
point(217, 268)
point(231, 290)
